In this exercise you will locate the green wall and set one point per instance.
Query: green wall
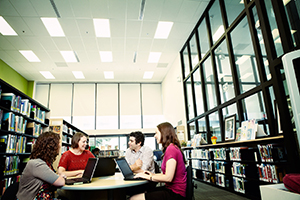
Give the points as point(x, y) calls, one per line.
point(13, 78)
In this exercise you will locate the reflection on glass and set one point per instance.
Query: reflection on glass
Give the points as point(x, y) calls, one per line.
point(194, 52)
point(202, 32)
point(292, 10)
point(105, 143)
point(186, 63)
point(233, 9)
point(229, 111)
point(274, 28)
point(224, 73)
point(192, 128)
point(209, 84)
point(198, 92)
point(244, 57)
point(123, 143)
point(215, 18)
point(202, 128)
point(261, 43)
point(254, 108)
point(189, 95)
point(214, 125)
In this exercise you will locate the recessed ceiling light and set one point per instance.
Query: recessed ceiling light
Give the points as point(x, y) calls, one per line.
point(154, 57)
point(47, 74)
point(148, 75)
point(5, 28)
point(78, 74)
point(53, 27)
point(69, 56)
point(101, 27)
point(218, 33)
point(163, 30)
point(30, 56)
point(241, 60)
point(108, 74)
point(106, 56)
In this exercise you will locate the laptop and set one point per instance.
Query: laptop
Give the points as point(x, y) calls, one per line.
point(87, 174)
point(125, 169)
point(105, 167)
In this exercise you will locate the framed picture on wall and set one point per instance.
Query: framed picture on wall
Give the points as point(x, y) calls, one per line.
point(230, 127)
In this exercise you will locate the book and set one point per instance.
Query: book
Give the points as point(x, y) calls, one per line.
point(8, 99)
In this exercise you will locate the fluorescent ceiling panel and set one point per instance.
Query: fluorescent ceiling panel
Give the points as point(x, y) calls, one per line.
point(47, 74)
point(163, 30)
point(148, 75)
point(5, 28)
point(218, 33)
point(30, 56)
point(69, 56)
point(241, 60)
point(154, 57)
point(102, 28)
point(108, 74)
point(106, 56)
point(53, 27)
point(78, 74)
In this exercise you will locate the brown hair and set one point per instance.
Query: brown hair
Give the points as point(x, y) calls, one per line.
point(46, 147)
point(75, 139)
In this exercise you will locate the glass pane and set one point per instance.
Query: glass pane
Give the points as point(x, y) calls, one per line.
point(254, 108)
point(190, 105)
point(216, 23)
point(261, 43)
point(92, 141)
point(186, 62)
point(274, 28)
point(194, 51)
point(292, 10)
point(224, 73)
point(84, 106)
point(214, 125)
point(229, 111)
point(202, 32)
point(209, 84)
point(198, 92)
point(150, 142)
point(233, 9)
point(107, 106)
point(105, 143)
point(244, 57)
point(192, 127)
point(202, 128)
point(123, 144)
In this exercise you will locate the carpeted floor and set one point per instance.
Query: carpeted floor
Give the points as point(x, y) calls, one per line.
point(206, 191)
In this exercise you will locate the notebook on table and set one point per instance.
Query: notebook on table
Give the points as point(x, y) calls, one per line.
point(125, 169)
point(105, 167)
point(87, 174)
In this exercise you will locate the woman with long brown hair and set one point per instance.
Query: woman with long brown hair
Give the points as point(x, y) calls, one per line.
point(38, 177)
point(173, 168)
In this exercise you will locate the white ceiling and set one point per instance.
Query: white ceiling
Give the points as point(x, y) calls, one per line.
point(128, 35)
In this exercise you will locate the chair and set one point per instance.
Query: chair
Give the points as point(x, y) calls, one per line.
point(190, 185)
point(11, 192)
point(157, 168)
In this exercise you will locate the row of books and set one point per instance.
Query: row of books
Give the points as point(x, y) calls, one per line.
point(238, 184)
point(220, 180)
point(238, 169)
point(12, 122)
point(68, 130)
point(271, 152)
point(107, 153)
point(11, 165)
point(200, 153)
point(6, 182)
point(219, 153)
point(235, 154)
point(13, 143)
point(220, 166)
point(66, 139)
point(268, 173)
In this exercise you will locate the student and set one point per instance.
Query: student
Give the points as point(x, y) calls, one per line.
point(95, 152)
point(39, 176)
point(173, 168)
point(138, 156)
point(72, 162)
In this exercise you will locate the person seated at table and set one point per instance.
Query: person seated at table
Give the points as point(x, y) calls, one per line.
point(38, 177)
point(173, 168)
point(72, 163)
point(138, 156)
point(95, 152)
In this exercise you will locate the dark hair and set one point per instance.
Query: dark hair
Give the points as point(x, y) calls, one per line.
point(46, 147)
point(168, 136)
point(76, 138)
point(94, 151)
point(139, 137)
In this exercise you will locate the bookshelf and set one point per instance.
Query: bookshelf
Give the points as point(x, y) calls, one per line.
point(22, 120)
point(240, 167)
point(66, 131)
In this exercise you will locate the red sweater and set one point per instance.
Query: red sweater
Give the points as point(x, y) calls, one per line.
point(72, 162)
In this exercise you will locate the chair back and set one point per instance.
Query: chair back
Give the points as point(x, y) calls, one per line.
point(11, 192)
point(189, 183)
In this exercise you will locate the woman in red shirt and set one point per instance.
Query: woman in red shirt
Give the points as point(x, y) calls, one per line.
point(73, 161)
